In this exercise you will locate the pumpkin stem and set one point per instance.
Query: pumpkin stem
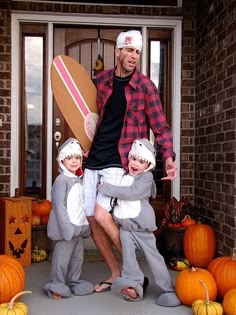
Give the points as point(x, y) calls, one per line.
point(234, 254)
point(11, 303)
point(206, 290)
point(193, 269)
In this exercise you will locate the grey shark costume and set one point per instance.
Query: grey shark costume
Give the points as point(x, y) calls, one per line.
point(136, 219)
point(67, 227)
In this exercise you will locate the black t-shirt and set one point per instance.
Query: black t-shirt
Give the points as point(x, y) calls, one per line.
point(104, 151)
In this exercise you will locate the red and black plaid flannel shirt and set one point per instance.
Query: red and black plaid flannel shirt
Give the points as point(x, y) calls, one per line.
point(143, 111)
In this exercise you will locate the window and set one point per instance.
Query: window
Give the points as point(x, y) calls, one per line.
point(33, 113)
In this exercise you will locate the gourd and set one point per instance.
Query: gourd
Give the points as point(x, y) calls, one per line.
point(42, 207)
point(35, 219)
point(229, 302)
point(199, 244)
point(12, 278)
point(179, 264)
point(223, 270)
point(38, 255)
point(187, 221)
point(188, 287)
point(14, 308)
point(206, 307)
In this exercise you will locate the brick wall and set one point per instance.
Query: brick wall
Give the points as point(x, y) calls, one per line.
point(208, 96)
point(5, 101)
point(215, 118)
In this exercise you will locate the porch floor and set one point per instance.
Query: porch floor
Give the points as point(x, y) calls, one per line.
point(108, 303)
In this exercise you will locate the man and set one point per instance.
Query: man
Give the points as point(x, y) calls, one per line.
point(129, 105)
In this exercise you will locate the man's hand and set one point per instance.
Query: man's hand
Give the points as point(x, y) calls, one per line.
point(171, 169)
point(85, 154)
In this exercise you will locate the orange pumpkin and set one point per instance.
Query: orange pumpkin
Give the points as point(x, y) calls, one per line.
point(229, 302)
point(187, 221)
point(188, 286)
point(42, 207)
point(12, 277)
point(199, 244)
point(223, 270)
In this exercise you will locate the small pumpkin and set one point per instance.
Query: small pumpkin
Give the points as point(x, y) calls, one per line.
point(38, 255)
point(188, 287)
point(42, 207)
point(206, 307)
point(199, 244)
point(12, 277)
point(229, 302)
point(187, 221)
point(223, 270)
point(14, 308)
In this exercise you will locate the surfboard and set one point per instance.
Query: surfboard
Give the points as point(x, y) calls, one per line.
point(75, 95)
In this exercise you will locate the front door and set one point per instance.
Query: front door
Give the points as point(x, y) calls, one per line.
point(85, 44)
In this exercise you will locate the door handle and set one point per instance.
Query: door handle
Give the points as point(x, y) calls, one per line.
point(57, 138)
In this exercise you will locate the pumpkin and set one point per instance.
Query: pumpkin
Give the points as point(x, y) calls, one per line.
point(13, 308)
point(188, 287)
point(223, 270)
point(229, 302)
point(35, 219)
point(206, 307)
point(199, 244)
point(38, 255)
point(187, 221)
point(12, 277)
point(42, 207)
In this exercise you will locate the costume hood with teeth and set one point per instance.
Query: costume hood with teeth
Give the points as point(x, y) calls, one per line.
point(144, 150)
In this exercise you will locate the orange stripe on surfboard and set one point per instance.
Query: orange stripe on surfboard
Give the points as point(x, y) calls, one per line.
point(71, 86)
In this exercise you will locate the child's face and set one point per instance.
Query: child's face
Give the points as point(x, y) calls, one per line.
point(72, 163)
point(137, 166)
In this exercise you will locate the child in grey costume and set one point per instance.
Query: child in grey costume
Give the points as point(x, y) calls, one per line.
point(68, 226)
point(136, 218)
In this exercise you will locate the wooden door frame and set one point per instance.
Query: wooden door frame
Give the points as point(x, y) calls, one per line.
point(136, 21)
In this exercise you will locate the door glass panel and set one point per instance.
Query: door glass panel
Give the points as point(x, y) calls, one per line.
point(155, 62)
point(159, 69)
point(33, 56)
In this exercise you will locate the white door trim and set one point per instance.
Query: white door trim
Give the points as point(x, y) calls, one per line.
point(101, 20)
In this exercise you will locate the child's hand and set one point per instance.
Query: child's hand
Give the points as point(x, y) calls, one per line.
point(100, 185)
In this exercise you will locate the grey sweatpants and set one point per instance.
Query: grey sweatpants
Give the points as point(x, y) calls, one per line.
point(131, 275)
point(67, 260)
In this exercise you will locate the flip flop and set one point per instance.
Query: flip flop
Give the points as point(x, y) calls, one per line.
point(105, 289)
point(129, 298)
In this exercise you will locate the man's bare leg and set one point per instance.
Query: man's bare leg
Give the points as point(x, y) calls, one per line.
point(107, 223)
point(105, 247)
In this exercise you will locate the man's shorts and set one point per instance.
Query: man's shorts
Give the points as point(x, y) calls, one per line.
point(91, 179)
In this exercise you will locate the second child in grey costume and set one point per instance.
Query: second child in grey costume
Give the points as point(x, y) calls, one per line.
point(68, 226)
point(136, 219)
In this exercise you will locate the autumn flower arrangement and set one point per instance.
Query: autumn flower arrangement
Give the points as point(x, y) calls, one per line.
point(178, 214)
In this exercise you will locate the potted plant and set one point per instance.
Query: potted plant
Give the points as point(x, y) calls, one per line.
point(177, 216)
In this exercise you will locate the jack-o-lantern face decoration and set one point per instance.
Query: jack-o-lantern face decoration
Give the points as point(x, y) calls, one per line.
point(18, 228)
